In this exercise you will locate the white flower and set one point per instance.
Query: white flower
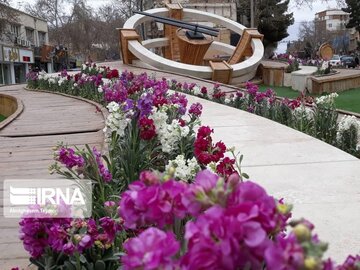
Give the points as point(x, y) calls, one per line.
point(84, 66)
point(61, 80)
point(168, 134)
point(304, 111)
point(324, 65)
point(328, 99)
point(116, 120)
point(185, 170)
point(227, 100)
point(100, 89)
point(52, 80)
point(345, 124)
point(196, 90)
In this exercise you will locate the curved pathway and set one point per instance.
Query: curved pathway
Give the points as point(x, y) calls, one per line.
point(26, 149)
point(321, 181)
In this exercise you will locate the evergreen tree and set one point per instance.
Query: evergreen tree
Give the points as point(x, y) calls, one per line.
point(271, 18)
point(353, 7)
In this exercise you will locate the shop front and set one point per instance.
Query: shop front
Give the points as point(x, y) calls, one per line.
point(14, 64)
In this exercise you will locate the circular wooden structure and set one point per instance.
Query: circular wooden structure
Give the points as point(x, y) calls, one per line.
point(326, 52)
point(192, 51)
point(246, 55)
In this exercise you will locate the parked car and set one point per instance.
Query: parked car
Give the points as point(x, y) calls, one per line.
point(349, 61)
point(335, 60)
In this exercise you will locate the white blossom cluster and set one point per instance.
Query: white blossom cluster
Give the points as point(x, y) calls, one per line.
point(61, 80)
point(304, 111)
point(324, 65)
point(116, 120)
point(185, 169)
point(328, 99)
point(196, 90)
point(43, 75)
point(168, 134)
point(345, 124)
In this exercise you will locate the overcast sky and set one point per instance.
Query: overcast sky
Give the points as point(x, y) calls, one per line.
point(304, 13)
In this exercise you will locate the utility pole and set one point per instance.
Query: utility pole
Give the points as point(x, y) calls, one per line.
point(252, 15)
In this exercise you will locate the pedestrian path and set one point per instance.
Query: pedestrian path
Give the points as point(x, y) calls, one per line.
point(26, 149)
point(321, 181)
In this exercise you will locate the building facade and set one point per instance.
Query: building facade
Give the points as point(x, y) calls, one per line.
point(330, 26)
point(21, 45)
point(331, 20)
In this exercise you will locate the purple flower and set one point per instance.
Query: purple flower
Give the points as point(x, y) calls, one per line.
point(39, 233)
point(251, 88)
point(110, 228)
point(351, 263)
point(180, 100)
point(196, 109)
point(69, 248)
point(152, 249)
point(85, 242)
point(145, 104)
point(104, 172)
point(285, 254)
point(68, 157)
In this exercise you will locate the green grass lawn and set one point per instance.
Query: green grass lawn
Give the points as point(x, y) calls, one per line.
point(2, 117)
point(348, 100)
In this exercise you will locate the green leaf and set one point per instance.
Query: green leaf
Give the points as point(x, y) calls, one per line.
point(245, 175)
point(100, 265)
point(36, 262)
point(82, 258)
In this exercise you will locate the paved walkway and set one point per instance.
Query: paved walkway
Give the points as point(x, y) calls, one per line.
point(321, 181)
point(26, 149)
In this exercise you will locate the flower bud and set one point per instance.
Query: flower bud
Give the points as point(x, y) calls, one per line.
point(311, 263)
point(284, 208)
point(302, 232)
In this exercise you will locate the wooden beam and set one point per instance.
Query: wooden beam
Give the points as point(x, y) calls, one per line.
point(125, 36)
point(172, 51)
point(222, 72)
point(243, 47)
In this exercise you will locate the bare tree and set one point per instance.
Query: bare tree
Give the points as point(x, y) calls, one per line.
point(8, 16)
point(301, 3)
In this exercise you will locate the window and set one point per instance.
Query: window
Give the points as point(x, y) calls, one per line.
point(30, 35)
point(330, 25)
point(42, 38)
point(15, 29)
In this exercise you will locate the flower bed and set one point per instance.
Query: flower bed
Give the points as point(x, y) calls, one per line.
point(166, 196)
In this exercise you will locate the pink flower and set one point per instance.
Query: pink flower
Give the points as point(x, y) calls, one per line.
point(251, 88)
point(152, 249)
point(351, 263)
point(152, 202)
point(68, 157)
point(217, 240)
point(285, 254)
point(195, 109)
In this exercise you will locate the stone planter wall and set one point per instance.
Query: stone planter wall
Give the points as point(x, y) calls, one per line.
point(287, 80)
